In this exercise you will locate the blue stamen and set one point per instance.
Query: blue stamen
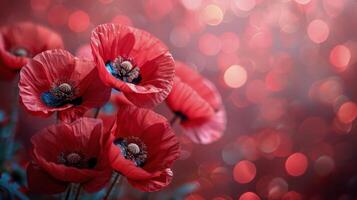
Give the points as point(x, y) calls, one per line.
point(50, 100)
point(110, 68)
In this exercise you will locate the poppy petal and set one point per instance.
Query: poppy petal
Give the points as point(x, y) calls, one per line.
point(41, 182)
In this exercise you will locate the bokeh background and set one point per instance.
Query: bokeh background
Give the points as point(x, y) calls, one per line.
point(286, 70)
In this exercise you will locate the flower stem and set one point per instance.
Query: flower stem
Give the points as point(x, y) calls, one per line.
point(7, 133)
point(96, 113)
point(110, 189)
point(78, 192)
point(69, 191)
point(174, 119)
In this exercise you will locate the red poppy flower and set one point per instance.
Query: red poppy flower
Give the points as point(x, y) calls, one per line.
point(21, 41)
point(145, 148)
point(198, 104)
point(70, 153)
point(187, 104)
point(134, 62)
point(57, 81)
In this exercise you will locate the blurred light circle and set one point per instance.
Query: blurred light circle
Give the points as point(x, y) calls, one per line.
point(230, 42)
point(122, 19)
point(220, 175)
point(340, 127)
point(235, 76)
point(191, 4)
point(256, 91)
point(296, 164)
point(268, 141)
point(262, 185)
point(285, 147)
point(78, 21)
point(244, 171)
point(40, 5)
point(321, 149)
point(333, 7)
point(212, 15)
point(262, 39)
point(245, 5)
point(272, 108)
point(303, 2)
point(249, 196)
point(85, 52)
point(180, 36)
point(313, 129)
point(231, 153)
point(327, 91)
point(324, 165)
point(209, 44)
point(248, 147)
point(157, 9)
point(105, 1)
point(194, 197)
point(292, 195)
point(225, 60)
point(58, 15)
point(277, 188)
point(276, 81)
point(340, 56)
point(347, 112)
point(318, 31)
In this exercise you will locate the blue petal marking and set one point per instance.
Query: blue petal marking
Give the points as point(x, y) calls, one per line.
point(110, 69)
point(50, 100)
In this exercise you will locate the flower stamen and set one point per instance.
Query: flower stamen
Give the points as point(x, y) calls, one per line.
point(124, 70)
point(77, 160)
point(20, 52)
point(133, 149)
point(60, 95)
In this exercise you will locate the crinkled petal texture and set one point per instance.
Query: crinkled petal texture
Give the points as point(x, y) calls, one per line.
point(202, 86)
point(57, 66)
point(206, 130)
point(32, 38)
point(84, 136)
point(184, 100)
point(157, 67)
point(162, 148)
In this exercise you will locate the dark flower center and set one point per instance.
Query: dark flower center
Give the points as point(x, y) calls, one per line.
point(181, 116)
point(20, 52)
point(124, 70)
point(77, 160)
point(61, 95)
point(133, 149)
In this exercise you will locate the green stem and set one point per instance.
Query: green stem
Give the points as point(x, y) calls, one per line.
point(174, 119)
point(110, 189)
point(78, 192)
point(7, 133)
point(96, 113)
point(69, 191)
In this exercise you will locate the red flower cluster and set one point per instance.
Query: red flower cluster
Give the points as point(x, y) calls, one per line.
point(134, 142)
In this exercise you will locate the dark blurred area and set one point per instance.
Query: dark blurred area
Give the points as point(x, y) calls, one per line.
point(286, 70)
